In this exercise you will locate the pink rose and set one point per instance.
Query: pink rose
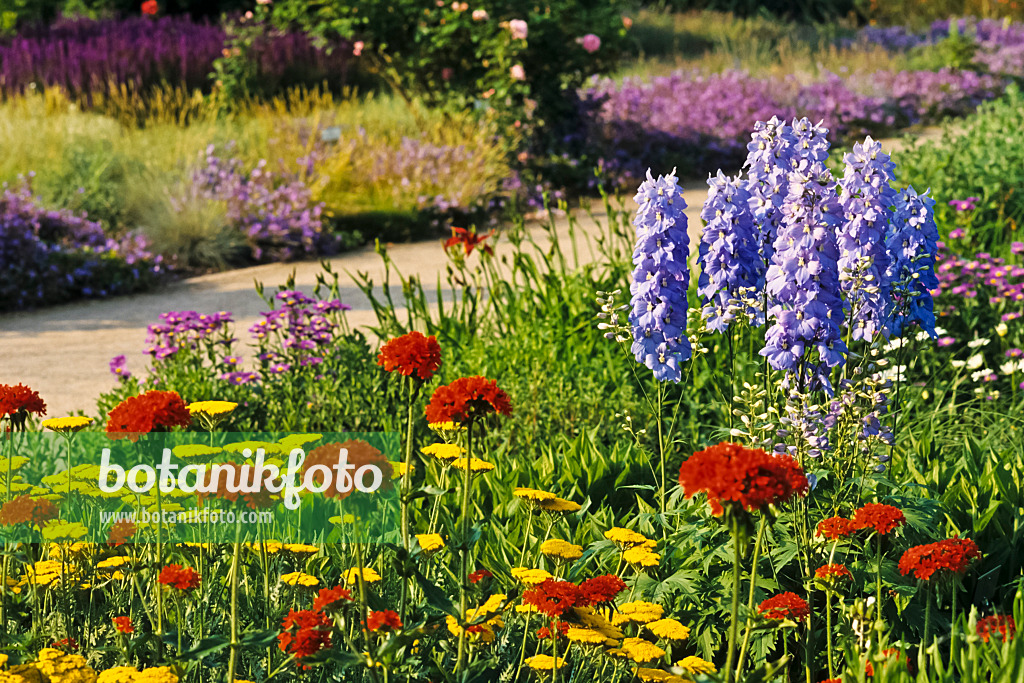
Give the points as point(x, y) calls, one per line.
point(357, 48)
point(517, 72)
point(590, 43)
point(480, 15)
point(519, 29)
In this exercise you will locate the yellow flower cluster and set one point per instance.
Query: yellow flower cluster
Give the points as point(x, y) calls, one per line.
point(66, 426)
point(587, 636)
point(696, 665)
point(639, 612)
point(641, 556)
point(445, 452)
point(430, 543)
point(489, 612)
point(300, 579)
point(560, 550)
point(531, 577)
point(595, 621)
point(641, 651)
point(60, 667)
point(659, 676)
point(560, 506)
point(352, 575)
point(669, 629)
point(533, 495)
point(625, 538)
point(475, 464)
point(212, 408)
point(544, 663)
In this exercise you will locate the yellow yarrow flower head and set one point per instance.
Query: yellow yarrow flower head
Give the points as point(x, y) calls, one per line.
point(119, 674)
point(156, 674)
point(658, 676)
point(300, 579)
point(211, 413)
point(559, 506)
point(489, 611)
point(301, 548)
point(430, 543)
point(530, 577)
point(61, 667)
point(696, 665)
point(475, 464)
point(64, 531)
point(198, 451)
point(585, 636)
point(66, 426)
point(639, 612)
point(625, 538)
point(533, 496)
point(444, 452)
point(561, 551)
point(587, 617)
point(641, 651)
point(641, 556)
point(449, 431)
point(669, 629)
point(369, 575)
point(544, 663)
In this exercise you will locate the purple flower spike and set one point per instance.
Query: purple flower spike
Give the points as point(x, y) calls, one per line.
point(912, 246)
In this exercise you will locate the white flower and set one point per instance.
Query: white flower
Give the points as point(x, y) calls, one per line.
point(977, 342)
point(976, 361)
point(1002, 329)
point(895, 373)
point(922, 335)
point(1009, 367)
point(984, 372)
point(895, 344)
point(941, 331)
point(958, 363)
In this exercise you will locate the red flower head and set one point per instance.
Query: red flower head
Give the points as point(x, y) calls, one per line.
point(360, 453)
point(466, 399)
point(66, 644)
point(17, 401)
point(544, 633)
point(746, 478)
point(553, 598)
point(219, 479)
point(411, 355)
point(835, 527)
point(150, 7)
point(330, 597)
point(881, 518)
point(151, 411)
point(479, 575)
point(182, 578)
point(124, 625)
point(27, 510)
point(601, 590)
point(953, 555)
point(784, 606)
point(997, 624)
point(833, 572)
point(304, 633)
point(468, 240)
point(120, 532)
point(383, 619)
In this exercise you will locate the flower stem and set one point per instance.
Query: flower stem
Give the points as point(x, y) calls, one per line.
point(750, 600)
point(828, 633)
point(406, 489)
point(235, 553)
point(734, 626)
point(467, 480)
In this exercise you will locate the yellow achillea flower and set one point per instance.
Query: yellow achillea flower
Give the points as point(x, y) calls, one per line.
point(61, 667)
point(641, 556)
point(490, 610)
point(369, 575)
point(449, 431)
point(70, 549)
point(585, 636)
point(560, 550)
point(475, 464)
point(301, 548)
point(533, 495)
point(212, 408)
point(119, 674)
point(300, 579)
point(445, 452)
point(669, 629)
point(397, 469)
point(544, 662)
point(195, 450)
point(658, 675)
point(113, 562)
point(430, 543)
point(625, 538)
point(64, 531)
point(696, 665)
point(639, 612)
point(559, 506)
point(156, 674)
point(640, 650)
point(595, 621)
point(66, 426)
point(531, 577)
point(45, 573)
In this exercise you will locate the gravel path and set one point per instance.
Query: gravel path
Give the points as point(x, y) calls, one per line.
point(63, 352)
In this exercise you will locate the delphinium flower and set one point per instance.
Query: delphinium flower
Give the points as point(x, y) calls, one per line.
point(866, 196)
point(660, 278)
point(912, 245)
point(803, 278)
point(767, 167)
point(729, 259)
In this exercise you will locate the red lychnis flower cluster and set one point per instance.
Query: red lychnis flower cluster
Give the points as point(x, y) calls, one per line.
point(1002, 625)
point(120, 532)
point(17, 401)
point(784, 606)
point(879, 517)
point(27, 510)
point(360, 454)
point(68, 644)
point(304, 633)
point(383, 619)
point(151, 411)
point(751, 479)
point(411, 355)
point(554, 598)
point(833, 572)
point(150, 7)
point(479, 575)
point(124, 625)
point(544, 633)
point(952, 554)
point(468, 240)
point(328, 598)
point(835, 527)
point(218, 483)
point(466, 399)
point(176, 576)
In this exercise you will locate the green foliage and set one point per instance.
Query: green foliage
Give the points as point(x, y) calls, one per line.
point(982, 156)
point(803, 10)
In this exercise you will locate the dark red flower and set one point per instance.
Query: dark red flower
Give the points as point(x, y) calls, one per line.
point(304, 633)
point(833, 572)
point(412, 354)
point(120, 532)
point(784, 606)
point(561, 629)
point(68, 644)
point(466, 399)
point(151, 411)
point(383, 619)
point(329, 597)
point(601, 590)
point(27, 510)
point(182, 578)
point(997, 624)
point(953, 555)
point(17, 401)
point(553, 598)
point(150, 7)
point(835, 527)
point(480, 575)
point(869, 670)
point(124, 625)
point(747, 478)
point(468, 240)
point(879, 517)
point(360, 453)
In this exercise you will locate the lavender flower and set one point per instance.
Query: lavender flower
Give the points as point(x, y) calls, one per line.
point(866, 196)
point(240, 378)
point(117, 367)
point(660, 278)
point(912, 245)
point(729, 257)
